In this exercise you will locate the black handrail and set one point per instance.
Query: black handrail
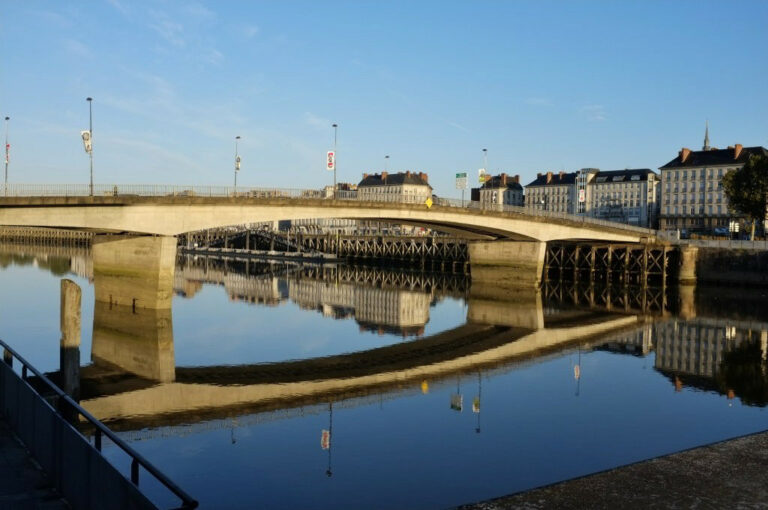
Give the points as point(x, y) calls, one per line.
point(136, 458)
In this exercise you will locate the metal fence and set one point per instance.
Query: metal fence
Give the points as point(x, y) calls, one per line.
point(78, 469)
point(159, 190)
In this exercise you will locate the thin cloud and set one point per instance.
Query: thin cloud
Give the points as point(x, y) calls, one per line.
point(594, 112)
point(539, 101)
point(77, 48)
point(169, 30)
point(250, 31)
point(213, 56)
point(315, 121)
point(458, 126)
point(119, 6)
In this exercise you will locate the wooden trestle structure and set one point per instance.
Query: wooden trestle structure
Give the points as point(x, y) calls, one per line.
point(610, 263)
point(401, 248)
point(631, 299)
point(45, 236)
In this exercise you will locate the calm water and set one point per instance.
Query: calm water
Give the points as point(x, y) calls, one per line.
point(288, 387)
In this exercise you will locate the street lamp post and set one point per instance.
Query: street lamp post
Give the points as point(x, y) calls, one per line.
point(90, 137)
point(7, 147)
point(237, 161)
point(335, 159)
point(485, 160)
point(386, 163)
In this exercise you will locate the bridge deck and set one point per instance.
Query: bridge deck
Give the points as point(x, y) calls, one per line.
point(173, 214)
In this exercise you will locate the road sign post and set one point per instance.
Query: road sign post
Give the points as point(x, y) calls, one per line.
point(461, 183)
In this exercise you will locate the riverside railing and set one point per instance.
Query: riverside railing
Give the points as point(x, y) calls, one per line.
point(78, 469)
point(159, 190)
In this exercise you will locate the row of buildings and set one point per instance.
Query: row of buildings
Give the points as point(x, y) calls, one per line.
point(686, 193)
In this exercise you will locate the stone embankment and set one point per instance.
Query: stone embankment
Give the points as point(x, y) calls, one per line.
point(730, 474)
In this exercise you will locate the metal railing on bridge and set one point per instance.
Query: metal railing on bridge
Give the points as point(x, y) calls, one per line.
point(160, 190)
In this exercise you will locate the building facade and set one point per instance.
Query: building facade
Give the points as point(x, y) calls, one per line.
point(692, 195)
point(552, 192)
point(502, 189)
point(403, 187)
point(626, 196)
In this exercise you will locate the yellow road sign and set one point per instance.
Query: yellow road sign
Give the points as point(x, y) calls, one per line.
point(429, 203)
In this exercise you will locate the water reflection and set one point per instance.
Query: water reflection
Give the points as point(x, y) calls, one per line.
point(691, 343)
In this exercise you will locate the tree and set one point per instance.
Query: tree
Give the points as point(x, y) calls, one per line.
point(747, 189)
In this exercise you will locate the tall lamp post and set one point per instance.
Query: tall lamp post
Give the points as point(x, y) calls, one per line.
point(335, 158)
point(485, 159)
point(7, 149)
point(90, 137)
point(237, 161)
point(386, 163)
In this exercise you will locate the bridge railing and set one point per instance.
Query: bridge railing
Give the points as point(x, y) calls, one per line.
point(159, 190)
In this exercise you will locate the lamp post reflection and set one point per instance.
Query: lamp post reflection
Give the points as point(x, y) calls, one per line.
point(325, 438)
point(476, 401)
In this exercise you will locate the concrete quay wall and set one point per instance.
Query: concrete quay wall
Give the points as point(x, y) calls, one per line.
point(732, 267)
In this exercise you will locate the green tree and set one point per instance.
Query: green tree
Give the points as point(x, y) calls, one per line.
point(747, 189)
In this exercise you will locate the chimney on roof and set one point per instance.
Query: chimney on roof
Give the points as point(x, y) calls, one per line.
point(562, 175)
point(407, 173)
point(384, 176)
point(737, 151)
point(516, 178)
point(503, 179)
point(365, 176)
point(538, 175)
point(549, 177)
point(424, 177)
point(684, 153)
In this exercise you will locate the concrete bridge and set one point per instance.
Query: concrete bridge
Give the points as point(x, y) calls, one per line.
point(513, 237)
point(174, 215)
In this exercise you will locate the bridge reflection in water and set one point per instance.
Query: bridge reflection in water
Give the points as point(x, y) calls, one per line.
point(134, 384)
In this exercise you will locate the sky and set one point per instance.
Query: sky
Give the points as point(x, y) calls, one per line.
point(543, 86)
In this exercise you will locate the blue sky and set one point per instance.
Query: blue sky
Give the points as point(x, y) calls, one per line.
point(541, 85)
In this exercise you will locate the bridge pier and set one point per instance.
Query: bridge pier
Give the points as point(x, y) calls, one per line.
point(502, 305)
point(687, 272)
point(139, 342)
point(522, 261)
point(134, 271)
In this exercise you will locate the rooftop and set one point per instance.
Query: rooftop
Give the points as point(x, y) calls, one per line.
point(554, 179)
point(503, 181)
point(736, 155)
point(387, 179)
point(627, 175)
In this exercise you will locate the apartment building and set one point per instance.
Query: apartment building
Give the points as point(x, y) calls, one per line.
point(628, 196)
point(552, 192)
point(405, 187)
point(692, 195)
point(502, 189)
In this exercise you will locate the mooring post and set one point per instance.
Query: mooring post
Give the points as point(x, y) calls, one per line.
point(69, 346)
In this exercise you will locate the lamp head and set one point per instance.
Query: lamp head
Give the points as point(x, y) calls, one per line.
point(89, 99)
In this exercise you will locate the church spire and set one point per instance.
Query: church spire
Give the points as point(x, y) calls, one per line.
point(706, 138)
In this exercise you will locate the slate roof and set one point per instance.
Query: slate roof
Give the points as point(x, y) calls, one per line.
point(394, 180)
point(622, 175)
point(718, 157)
point(495, 183)
point(568, 178)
